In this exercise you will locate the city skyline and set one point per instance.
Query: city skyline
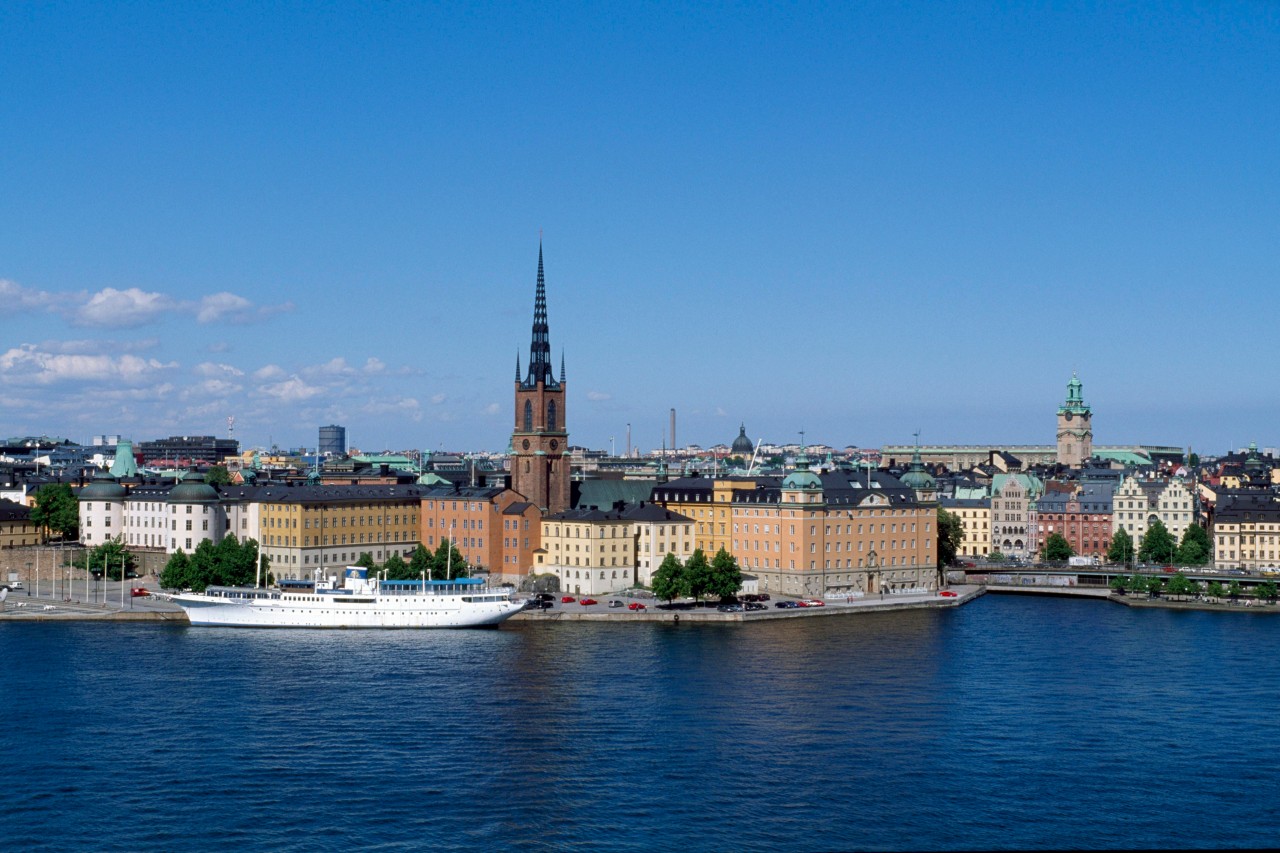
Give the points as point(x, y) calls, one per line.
point(854, 222)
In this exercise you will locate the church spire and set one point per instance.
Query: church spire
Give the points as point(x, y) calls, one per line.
point(517, 365)
point(561, 367)
point(540, 347)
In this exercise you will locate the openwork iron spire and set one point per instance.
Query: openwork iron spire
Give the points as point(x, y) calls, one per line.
point(540, 369)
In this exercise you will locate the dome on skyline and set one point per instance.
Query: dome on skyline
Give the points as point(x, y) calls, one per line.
point(742, 444)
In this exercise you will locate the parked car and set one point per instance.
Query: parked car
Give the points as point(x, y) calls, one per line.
point(567, 599)
point(946, 593)
point(139, 592)
point(615, 603)
point(756, 605)
point(764, 596)
point(587, 601)
point(815, 602)
point(730, 608)
point(544, 596)
point(750, 597)
point(784, 605)
point(635, 605)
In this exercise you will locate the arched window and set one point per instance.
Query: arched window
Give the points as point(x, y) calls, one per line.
point(551, 416)
point(528, 416)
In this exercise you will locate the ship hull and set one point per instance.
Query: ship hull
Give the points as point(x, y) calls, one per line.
point(382, 612)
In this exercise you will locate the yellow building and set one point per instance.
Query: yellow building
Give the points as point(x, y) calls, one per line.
point(304, 528)
point(1246, 532)
point(975, 521)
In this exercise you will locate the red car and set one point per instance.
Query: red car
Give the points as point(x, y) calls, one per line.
point(815, 602)
point(567, 599)
point(946, 593)
point(635, 605)
point(586, 601)
point(139, 592)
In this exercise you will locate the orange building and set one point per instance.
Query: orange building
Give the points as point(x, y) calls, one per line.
point(493, 527)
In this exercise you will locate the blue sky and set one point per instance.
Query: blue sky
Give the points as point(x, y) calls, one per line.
point(858, 220)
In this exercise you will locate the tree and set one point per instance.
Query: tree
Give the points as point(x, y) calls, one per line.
point(397, 569)
point(1215, 590)
point(420, 562)
point(107, 557)
point(57, 510)
point(1181, 585)
point(669, 580)
point(177, 572)
point(995, 557)
point(726, 576)
point(1194, 460)
point(950, 535)
point(366, 561)
point(1195, 550)
point(218, 475)
point(1234, 590)
point(447, 562)
point(697, 572)
point(229, 563)
point(1155, 585)
point(1266, 591)
point(1119, 584)
point(1121, 548)
point(1057, 548)
point(1157, 545)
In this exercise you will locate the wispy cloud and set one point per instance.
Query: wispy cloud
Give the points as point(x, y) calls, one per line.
point(598, 396)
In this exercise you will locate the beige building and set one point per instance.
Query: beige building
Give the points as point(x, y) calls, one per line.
point(597, 552)
point(1138, 503)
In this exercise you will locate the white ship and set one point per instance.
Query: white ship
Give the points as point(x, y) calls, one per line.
point(358, 603)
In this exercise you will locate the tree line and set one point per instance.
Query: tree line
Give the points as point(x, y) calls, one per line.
point(229, 563)
point(1181, 586)
point(698, 577)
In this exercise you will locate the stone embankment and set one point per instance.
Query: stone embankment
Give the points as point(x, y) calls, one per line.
point(601, 612)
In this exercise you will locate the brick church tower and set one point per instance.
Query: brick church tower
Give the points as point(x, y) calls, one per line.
point(540, 440)
point(1075, 427)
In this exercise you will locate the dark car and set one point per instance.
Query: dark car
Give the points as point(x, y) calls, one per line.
point(730, 608)
point(783, 605)
point(756, 605)
point(613, 602)
point(544, 596)
point(764, 596)
point(751, 597)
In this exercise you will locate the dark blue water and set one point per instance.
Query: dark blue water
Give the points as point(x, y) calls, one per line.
point(1008, 723)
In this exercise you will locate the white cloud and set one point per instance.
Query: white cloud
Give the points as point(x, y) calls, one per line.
point(17, 298)
point(374, 365)
point(127, 308)
point(332, 367)
point(208, 368)
point(437, 399)
point(291, 390)
point(721, 412)
point(492, 409)
point(224, 306)
point(270, 371)
point(597, 396)
point(27, 364)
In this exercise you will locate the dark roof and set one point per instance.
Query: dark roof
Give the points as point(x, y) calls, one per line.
point(13, 511)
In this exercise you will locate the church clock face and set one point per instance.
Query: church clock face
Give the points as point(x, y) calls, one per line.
point(526, 444)
point(1068, 416)
point(554, 444)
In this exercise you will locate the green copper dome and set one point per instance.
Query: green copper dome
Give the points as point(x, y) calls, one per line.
point(103, 488)
point(193, 490)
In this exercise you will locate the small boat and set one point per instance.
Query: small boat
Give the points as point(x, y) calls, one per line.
point(359, 602)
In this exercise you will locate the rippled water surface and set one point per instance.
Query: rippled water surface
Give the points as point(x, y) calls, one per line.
point(1008, 723)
